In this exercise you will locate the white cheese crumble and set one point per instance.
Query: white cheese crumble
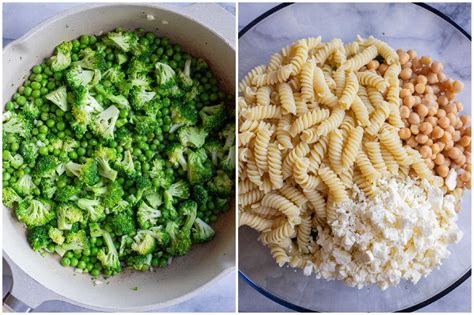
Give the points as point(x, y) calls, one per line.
point(402, 233)
point(450, 180)
point(150, 17)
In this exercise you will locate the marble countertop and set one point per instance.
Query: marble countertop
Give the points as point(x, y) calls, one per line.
point(18, 18)
point(458, 300)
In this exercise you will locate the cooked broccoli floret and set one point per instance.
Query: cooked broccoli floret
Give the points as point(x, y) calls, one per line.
point(143, 243)
point(142, 184)
point(114, 74)
point(18, 124)
point(188, 209)
point(213, 117)
point(228, 135)
point(94, 208)
point(119, 100)
point(103, 157)
point(180, 239)
point(160, 174)
point(24, 186)
point(59, 98)
point(91, 60)
point(146, 215)
point(62, 59)
point(35, 212)
point(165, 75)
point(77, 77)
point(126, 166)
point(67, 193)
point(179, 189)
point(38, 237)
point(68, 214)
point(221, 184)
point(56, 235)
point(145, 125)
point(123, 40)
point(125, 244)
point(15, 160)
point(192, 136)
point(221, 204)
point(154, 199)
point(140, 262)
point(10, 197)
point(228, 163)
point(199, 167)
point(176, 156)
point(31, 111)
point(122, 223)
point(48, 187)
point(160, 235)
point(183, 114)
point(104, 123)
point(185, 75)
point(109, 260)
point(46, 166)
point(29, 151)
point(113, 195)
point(214, 149)
point(202, 232)
point(139, 97)
point(87, 172)
point(120, 206)
point(200, 195)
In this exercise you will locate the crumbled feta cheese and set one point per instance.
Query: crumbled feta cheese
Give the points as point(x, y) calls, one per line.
point(402, 233)
point(150, 17)
point(450, 180)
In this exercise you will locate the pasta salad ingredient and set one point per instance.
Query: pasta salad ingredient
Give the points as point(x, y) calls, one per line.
point(118, 152)
point(384, 239)
point(433, 123)
point(336, 119)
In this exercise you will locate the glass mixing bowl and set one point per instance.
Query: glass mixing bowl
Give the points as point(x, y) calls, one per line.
point(402, 25)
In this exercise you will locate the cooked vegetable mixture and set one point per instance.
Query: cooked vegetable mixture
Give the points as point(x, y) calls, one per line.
point(118, 151)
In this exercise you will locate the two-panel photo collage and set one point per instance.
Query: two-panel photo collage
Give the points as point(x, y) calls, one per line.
point(236, 157)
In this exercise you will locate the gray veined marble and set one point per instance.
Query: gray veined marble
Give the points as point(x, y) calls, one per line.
point(402, 25)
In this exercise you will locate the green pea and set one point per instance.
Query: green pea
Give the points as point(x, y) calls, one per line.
point(27, 91)
point(65, 261)
point(95, 272)
point(50, 123)
point(36, 94)
point(81, 151)
point(21, 100)
point(81, 265)
point(37, 69)
point(74, 262)
point(73, 155)
point(61, 125)
point(43, 150)
point(9, 106)
point(36, 85)
point(14, 146)
point(43, 129)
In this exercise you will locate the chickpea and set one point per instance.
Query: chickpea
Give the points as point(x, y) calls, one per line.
point(439, 159)
point(422, 110)
point(435, 148)
point(432, 120)
point(459, 106)
point(425, 151)
point(450, 95)
point(452, 118)
point(406, 73)
point(409, 101)
point(466, 131)
point(459, 183)
point(426, 60)
point(404, 112)
point(414, 129)
point(411, 53)
point(465, 120)
point(404, 57)
point(457, 208)
point(446, 137)
point(437, 132)
point(417, 99)
point(432, 78)
point(443, 100)
point(449, 144)
point(468, 185)
point(421, 79)
point(468, 167)
point(404, 93)
point(442, 170)
point(451, 130)
point(465, 141)
point(436, 67)
point(428, 89)
point(458, 124)
point(429, 163)
point(457, 136)
point(442, 77)
point(443, 122)
point(458, 86)
point(426, 128)
point(432, 110)
point(441, 113)
point(441, 145)
point(429, 142)
point(373, 65)
point(413, 118)
point(421, 138)
point(436, 89)
point(404, 133)
point(454, 153)
point(412, 142)
point(382, 68)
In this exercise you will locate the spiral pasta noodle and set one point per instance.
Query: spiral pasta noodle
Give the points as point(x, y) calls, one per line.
point(361, 59)
point(299, 57)
point(308, 120)
point(260, 112)
point(279, 254)
point(286, 98)
point(336, 188)
point(306, 79)
point(372, 79)
point(275, 166)
point(351, 147)
point(284, 205)
point(336, 142)
point(255, 222)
